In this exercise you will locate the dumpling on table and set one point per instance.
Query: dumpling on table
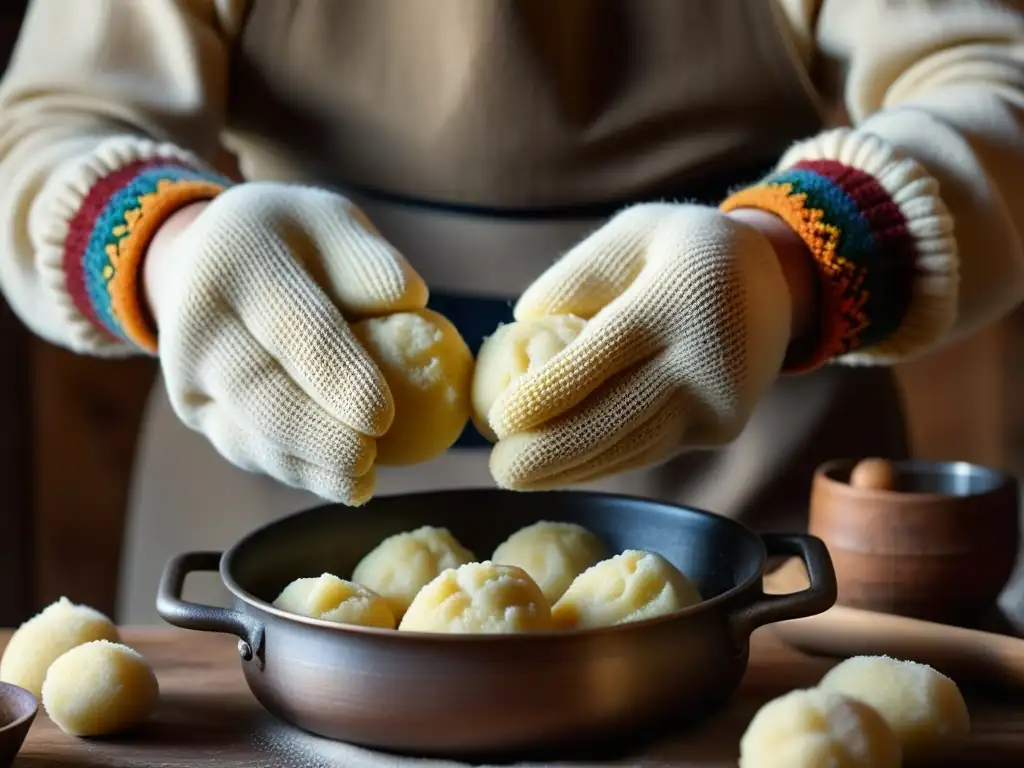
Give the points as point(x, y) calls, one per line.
point(99, 689)
point(401, 565)
point(482, 598)
point(632, 586)
point(923, 707)
point(45, 637)
point(553, 553)
point(813, 729)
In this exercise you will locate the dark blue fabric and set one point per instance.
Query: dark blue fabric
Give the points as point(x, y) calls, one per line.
point(476, 318)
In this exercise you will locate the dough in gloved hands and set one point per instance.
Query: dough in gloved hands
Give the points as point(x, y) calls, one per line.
point(513, 350)
point(256, 348)
point(429, 371)
point(688, 318)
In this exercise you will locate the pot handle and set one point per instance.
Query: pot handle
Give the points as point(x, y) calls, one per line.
point(204, 618)
point(817, 598)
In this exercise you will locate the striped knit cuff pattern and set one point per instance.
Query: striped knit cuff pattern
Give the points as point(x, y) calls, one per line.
point(108, 236)
point(881, 239)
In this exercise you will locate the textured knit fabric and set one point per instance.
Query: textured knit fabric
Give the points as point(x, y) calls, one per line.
point(688, 322)
point(882, 238)
point(130, 189)
point(255, 349)
point(92, 228)
point(941, 81)
point(513, 108)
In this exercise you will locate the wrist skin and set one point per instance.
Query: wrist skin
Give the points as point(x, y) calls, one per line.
point(158, 259)
point(794, 258)
point(798, 267)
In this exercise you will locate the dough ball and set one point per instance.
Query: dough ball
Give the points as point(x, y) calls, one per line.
point(332, 599)
point(513, 350)
point(479, 597)
point(429, 370)
point(99, 688)
point(552, 553)
point(403, 564)
point(39, 641)
point(813, 729)
point(632, 586)
point(874, 474)
point(922, 706)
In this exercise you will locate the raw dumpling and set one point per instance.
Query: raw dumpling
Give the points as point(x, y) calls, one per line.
point(479, 597)
point(99, 688)
point(403, 564)
point(429, 370)
point(513, 350)
point(332, 599)
point(552, 553)
point(632, 586)
point(922, 706)
point(813, 729)
point(39, 641)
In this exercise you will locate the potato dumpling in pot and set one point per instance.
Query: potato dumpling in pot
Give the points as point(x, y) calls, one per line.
point(632, 586)
point(923, 707)
point(429, 370)
point(513, 350)
point(401, 565)
point(552, 553)
point(479, 598)
point(332, 599)
point(815, 728)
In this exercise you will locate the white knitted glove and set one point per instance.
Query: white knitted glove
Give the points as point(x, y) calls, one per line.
point(689, 321)
point(254, 345)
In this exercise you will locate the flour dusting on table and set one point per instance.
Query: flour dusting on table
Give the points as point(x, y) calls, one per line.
point(293, 748)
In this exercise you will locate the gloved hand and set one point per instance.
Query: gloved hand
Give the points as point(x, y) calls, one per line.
point(254, 345)
point(689, 321)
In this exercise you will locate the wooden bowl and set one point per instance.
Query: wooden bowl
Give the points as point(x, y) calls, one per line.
point(18, 709)
point(939, 545)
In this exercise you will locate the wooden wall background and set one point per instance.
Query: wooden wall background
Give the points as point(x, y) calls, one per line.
point(15, 426)
point(68, 426)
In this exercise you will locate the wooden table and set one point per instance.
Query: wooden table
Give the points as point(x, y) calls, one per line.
point(208, 719)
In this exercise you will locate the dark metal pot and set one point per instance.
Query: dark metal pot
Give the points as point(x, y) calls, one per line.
point(460, 695)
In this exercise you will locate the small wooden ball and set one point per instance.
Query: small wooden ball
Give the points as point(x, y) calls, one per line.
point(874, 475)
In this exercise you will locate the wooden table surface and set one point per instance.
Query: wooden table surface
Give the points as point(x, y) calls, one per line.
point(208, 719)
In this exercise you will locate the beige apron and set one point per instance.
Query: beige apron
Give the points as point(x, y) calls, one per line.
point(185, 497)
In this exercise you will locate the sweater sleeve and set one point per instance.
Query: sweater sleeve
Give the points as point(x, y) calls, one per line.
point(110, 115)
point(914, 212)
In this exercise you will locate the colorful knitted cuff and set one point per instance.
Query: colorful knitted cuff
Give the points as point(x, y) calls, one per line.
point(108, 236)
point(879, 241)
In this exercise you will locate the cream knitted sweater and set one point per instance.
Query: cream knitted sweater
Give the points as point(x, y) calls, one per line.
point(942, 81)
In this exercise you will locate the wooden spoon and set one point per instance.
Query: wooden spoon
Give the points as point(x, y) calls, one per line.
point(966, 655)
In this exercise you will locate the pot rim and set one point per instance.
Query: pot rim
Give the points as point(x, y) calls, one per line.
point(433, 638)
point(1002, 482)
